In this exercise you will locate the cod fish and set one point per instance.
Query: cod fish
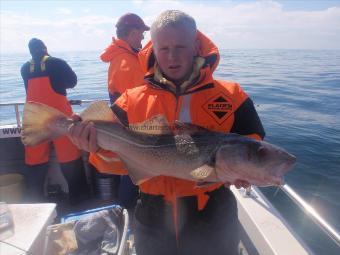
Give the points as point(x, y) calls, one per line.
point(189, 152)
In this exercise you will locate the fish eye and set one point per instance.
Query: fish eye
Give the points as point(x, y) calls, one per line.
point(261, 151)
point(249, 153)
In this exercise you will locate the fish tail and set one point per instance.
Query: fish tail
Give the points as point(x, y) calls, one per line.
point(99, 110)
point(38, 123)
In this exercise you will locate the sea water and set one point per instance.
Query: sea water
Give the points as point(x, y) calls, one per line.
point(297, 96)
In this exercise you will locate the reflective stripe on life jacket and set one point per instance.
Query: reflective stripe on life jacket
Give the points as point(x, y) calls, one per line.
point(42, 64)
point(107, 162)
point(184, 114)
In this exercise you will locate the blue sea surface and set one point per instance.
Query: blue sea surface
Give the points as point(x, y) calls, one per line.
point(296, 93)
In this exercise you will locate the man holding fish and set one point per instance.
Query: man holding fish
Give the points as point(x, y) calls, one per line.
point(174, 135)
point(174, 215)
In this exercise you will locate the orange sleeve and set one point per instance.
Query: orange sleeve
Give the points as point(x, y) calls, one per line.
point(239, 94)
point(255, 136)
point(122, 101)
point(126, 73)
point(106, 55)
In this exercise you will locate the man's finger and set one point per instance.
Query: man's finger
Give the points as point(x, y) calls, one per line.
point(73, 134)
point(78, 134)
point(93, 146)
point(76, 117)
point(227, 184)
point(241, 183)
point(84, 137)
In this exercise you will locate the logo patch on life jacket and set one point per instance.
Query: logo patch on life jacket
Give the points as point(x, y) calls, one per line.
point(219, 107)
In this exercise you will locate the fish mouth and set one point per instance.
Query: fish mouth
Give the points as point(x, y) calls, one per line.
point(287, 164)
point(290, 159)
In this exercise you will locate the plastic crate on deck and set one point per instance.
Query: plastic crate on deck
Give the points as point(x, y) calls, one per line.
point(87, 220)
point(79, 215)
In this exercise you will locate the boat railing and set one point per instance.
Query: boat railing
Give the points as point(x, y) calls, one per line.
point(306, 208)
point(16, 109)
point(312, 213)
point(17, 104)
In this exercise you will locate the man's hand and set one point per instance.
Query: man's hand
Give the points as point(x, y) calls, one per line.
point(238, 184)
point(83, 135)
point(241, 184)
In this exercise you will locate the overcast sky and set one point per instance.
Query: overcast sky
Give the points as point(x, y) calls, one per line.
point(89, 25)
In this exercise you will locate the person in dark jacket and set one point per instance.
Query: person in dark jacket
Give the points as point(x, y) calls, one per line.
point(46, 80)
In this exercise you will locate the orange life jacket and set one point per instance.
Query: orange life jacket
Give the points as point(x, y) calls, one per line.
point(39, 89)
point(107, 162)
point(209, 103)
point(124, 73)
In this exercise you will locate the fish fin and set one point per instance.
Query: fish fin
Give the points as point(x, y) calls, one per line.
point(137, 175)
point(36, 123)
point(202, 172)
point(157, 125)
point(108, 159)
point(139, 182)
point(188, 128)
point(99, 110)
